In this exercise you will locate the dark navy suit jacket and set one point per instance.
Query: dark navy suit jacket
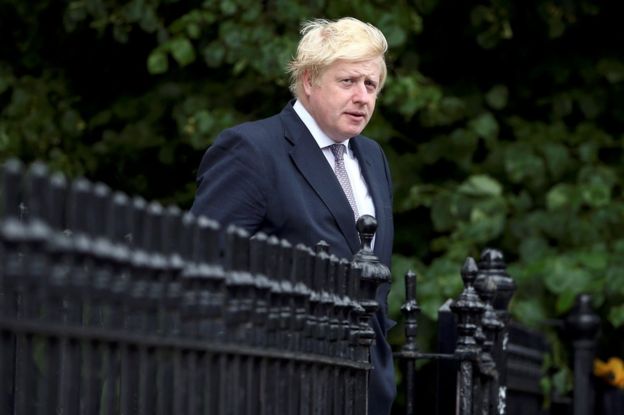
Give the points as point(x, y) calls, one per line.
point(271, 176)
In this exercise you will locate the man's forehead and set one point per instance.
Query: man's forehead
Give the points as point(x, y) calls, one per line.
point(369, 68)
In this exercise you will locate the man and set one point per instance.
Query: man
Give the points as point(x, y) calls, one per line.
point(306, 173)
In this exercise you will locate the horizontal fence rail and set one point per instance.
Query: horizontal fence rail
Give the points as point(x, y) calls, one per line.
point(113, 305)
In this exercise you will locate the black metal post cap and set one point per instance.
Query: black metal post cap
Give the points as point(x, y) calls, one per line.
point(366, 226)
point(583, 323)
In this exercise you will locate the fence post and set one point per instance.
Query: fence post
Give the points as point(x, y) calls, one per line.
point(373, 274)
point(321, 300)
point(240, 291)
point(300, 279)
point(209, 308)
point(308, 345)
point(582, 325)
point(491, 327)
point(492, 265)
point(76, 311)
point(446, 369)
point(468, 309)
point(31, 291)
point(210, 276)
point(410, 310)
point(60, 250)
point(11, 233)
point(95, 353)
point(284, 367)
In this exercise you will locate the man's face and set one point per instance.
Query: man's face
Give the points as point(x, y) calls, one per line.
point(342, 100)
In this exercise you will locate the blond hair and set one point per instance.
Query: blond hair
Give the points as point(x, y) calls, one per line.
point(323, 42)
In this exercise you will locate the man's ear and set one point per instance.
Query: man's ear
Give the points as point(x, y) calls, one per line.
point(306, 82)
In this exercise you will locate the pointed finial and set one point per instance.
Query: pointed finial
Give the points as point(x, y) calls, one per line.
point(469, 271)
point(366, 226)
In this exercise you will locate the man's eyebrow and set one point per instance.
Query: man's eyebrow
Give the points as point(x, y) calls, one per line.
point(355, 74)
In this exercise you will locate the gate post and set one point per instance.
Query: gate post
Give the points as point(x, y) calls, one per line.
point(582, 325)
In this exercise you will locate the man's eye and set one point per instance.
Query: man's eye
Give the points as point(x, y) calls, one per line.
point(347, 81)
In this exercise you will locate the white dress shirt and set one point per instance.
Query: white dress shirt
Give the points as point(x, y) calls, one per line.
point(363, 199)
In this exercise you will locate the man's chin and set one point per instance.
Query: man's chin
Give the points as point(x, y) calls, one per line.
point(356, 131)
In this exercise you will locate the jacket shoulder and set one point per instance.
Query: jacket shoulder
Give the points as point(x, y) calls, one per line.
point(257, 134)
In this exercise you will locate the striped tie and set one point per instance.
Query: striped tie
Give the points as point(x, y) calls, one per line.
point(341, 173)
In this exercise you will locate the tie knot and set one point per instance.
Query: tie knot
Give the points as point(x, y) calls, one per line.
point(338, 150)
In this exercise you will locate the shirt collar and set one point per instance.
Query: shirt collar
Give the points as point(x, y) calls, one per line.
point(320, 137)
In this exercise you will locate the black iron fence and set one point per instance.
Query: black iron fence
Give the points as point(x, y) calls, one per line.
point(114, 305)
point(487, 363)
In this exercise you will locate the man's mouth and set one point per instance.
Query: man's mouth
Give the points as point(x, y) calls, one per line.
point(357, 115)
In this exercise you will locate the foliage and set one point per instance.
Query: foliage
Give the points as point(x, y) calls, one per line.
point(502, 121)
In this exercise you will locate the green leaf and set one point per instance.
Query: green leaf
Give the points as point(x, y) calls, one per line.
point(565, 301)
point(486, 126)
point(182, 50)
point(481, 185)
point(443, 212)
point(418, 195)
point(558, 160)
point(442, 111)
point(594, 260)
point(533, 248)
point(6, 78)
point(228, 7)
point(149, 20)
point(483, 226)
point(214, 54)
point(530, 311)
point(193, 30)
point(565, 276)
point(562, 381)
point(614, 283)
point(546, 386)
point(561, 196)
point(612, 70)
point(497, 97)
point(521, 163)
point(411, 93)
point(157, 62)
point(596, 194)
point(616, 315)
point(395, 34)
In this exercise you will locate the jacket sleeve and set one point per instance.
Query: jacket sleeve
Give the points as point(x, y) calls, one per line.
point(232, 183)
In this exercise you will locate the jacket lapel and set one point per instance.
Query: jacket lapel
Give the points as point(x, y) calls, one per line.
point(373, 176)
point(310, 161)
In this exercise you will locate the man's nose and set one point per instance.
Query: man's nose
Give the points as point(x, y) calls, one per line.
point(360, 93)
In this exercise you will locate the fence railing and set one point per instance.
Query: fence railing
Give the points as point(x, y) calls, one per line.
point(114, 305)
point(475, 384)
point(488, 364)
